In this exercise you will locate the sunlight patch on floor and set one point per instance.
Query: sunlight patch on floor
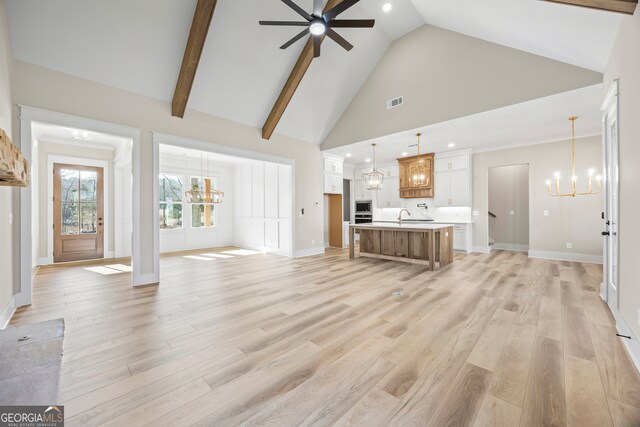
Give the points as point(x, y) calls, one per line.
point(242, 252)
point(201, 258)
point(218, 256)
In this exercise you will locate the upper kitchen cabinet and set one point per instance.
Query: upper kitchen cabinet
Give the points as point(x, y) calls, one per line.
point(453, 179)
point(333, 165)
point(409, 190)
point(333, 170)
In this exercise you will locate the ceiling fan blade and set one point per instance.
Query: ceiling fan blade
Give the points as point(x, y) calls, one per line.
point(352, 23)
point(317, 41)
point(295, 39)
point(339, 39)
point(298, 9)
point(337, 10)
point(285, 23)
point(317, 7)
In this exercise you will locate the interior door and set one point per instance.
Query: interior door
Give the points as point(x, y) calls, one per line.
point(78, 212)
point(610, 147)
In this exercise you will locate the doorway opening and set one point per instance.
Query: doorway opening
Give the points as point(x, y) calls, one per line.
point(254, 216)
point(509, 207)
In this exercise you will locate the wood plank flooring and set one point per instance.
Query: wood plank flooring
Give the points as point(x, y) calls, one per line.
point(244, 338)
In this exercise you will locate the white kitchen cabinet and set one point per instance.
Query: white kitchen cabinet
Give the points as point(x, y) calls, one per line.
point(333, 165)
point(389, 196)
point(452, 189)
point(452, 163)
point(453, 175)
point(333, 184)
point(463, 238)
point(359, 173)
point(458, 239)
point(361, 192)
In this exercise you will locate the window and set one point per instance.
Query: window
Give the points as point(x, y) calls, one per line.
point(170, 201)
point(203, 214)
point(79, 190)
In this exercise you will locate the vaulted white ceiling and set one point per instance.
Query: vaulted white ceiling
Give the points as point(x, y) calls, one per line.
point(138, 46)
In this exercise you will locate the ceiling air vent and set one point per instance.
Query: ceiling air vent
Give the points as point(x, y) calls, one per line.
point(395, 102)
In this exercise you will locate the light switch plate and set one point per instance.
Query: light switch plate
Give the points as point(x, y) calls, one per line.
point(512, 212)
point(569, 245)
point(545, 213)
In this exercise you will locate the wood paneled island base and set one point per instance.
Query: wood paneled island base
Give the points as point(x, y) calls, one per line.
point(428, 244)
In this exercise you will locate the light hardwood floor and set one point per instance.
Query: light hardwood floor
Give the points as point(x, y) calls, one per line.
point(490, 340)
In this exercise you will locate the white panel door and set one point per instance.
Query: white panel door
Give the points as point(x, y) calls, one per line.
point(283, 235)
point(257, 232)
point(257, 187)
point(284, 191)
point(459, 188)
point(271, 190)
point(245, 195)
point(271, 233)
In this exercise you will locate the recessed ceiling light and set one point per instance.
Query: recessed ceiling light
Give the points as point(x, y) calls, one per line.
point(387, 7)
point(452, 145)
point(348, 154)
point(405, 153)
point(367, 160)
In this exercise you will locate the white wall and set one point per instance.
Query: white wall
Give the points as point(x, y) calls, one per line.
point(624, 64)
point(262, 209)
point(9, 262)
point(444, 75)
point(55, 91)
point(509, 201)
point(575, 220)
point(186, 238)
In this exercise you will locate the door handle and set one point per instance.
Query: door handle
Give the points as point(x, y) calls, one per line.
point(605, 233)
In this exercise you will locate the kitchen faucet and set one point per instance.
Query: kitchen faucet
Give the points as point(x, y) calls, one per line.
point(400, 215)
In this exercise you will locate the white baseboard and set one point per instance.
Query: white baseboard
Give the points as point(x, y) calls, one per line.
point(511, 247)
point(566, 256)
point(482, 249)
point(632, 345)
point(45, 261)
point(308, 252)
point(146, 279)
point(7, 312)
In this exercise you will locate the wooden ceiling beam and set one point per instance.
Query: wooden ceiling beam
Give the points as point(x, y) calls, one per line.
point(290, 87)
point(192, 53)
point(619, 6)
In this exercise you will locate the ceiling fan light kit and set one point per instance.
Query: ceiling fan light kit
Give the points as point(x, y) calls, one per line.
point(320, 23)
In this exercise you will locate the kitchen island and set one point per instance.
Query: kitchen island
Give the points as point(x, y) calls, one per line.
point(430, 244)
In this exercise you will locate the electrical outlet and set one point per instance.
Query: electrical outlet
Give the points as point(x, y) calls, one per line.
point(313, 241)
point(638, 317)
point(512, 212)
point(545, 213)
point(10, 218)
point(569, 245)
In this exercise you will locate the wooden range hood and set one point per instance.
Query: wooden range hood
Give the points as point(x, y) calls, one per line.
point(14, 168)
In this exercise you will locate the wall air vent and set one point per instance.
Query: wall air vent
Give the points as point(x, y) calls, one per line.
point(395, 102)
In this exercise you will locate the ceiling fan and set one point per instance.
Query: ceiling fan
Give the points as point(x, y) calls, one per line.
point(319, 23)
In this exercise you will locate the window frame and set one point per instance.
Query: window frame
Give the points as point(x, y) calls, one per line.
point(214, 183)
point(182, 203)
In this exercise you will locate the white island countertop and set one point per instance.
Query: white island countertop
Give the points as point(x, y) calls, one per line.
point(403, 226)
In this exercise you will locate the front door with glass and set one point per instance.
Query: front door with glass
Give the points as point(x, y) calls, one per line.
point(78, 213)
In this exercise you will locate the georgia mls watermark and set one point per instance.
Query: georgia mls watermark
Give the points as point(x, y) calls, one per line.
point(31, 416)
